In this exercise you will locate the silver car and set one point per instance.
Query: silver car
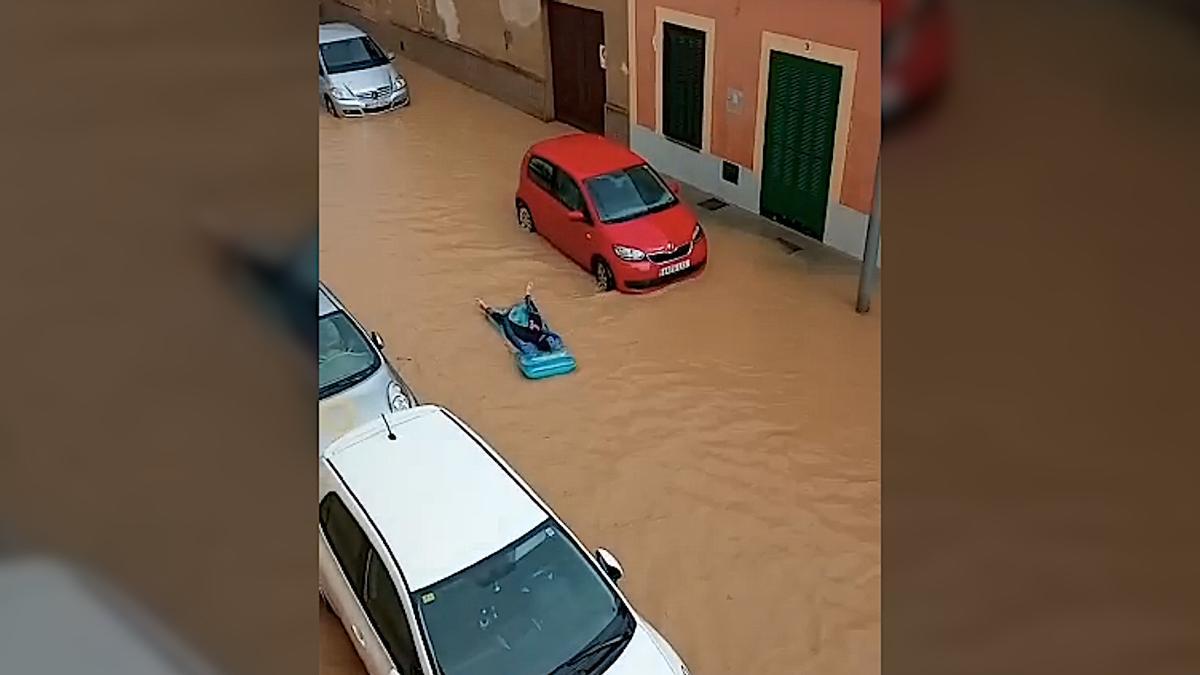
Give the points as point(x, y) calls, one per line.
point(356, 382)
point(356, 76)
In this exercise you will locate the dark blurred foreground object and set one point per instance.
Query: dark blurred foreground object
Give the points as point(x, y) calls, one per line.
point(57, 619)
point(283, 282)
point(916, 54)
point(1188, 11)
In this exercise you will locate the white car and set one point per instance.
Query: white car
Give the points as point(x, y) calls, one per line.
point(440, 560)
point(356, 76)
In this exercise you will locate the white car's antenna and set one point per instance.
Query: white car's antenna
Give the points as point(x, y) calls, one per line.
point(391, 436)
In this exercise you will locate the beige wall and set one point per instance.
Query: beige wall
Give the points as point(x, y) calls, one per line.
point(515, 86)
point(508, 31)
point(849, 24)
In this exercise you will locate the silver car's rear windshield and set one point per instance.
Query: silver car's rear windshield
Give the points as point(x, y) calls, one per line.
point(344, 357)
point(353, 54)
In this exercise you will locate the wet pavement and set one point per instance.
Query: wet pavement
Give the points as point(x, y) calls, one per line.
point(721, 436)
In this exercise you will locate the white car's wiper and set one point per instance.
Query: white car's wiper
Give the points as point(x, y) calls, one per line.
point(573, 662)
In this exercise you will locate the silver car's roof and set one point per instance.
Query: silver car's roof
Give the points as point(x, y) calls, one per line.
point(327, 302)
point(340, 30)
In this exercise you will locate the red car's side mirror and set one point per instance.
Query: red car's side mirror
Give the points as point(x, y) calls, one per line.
point(577, 217)
point(674, 186)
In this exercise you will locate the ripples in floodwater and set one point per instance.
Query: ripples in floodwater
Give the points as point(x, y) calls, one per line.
point(721, 436)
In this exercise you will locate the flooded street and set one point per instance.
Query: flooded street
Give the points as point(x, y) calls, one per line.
point(720, 436)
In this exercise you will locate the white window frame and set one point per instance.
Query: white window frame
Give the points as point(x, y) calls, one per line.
point(708, 26)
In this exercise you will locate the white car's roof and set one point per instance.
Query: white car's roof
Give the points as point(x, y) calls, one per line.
point(339, 30)
point(438, 498)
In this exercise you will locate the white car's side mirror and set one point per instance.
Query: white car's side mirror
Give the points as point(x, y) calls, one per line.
point(610, 564)
point(377, 339)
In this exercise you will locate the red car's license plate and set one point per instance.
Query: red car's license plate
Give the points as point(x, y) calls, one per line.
point(675, 267)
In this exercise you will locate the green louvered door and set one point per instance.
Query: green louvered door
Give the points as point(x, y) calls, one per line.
point(802, 102)
point(683, 85)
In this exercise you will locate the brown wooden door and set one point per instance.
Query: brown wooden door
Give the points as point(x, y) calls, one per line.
point(579, 90)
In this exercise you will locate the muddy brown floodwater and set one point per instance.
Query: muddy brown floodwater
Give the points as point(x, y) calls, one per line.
point(720, 436)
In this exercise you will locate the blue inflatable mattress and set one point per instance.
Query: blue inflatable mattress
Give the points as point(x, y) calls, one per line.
point(533, 363)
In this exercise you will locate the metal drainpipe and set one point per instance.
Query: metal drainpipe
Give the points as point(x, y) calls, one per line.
point(867, 278)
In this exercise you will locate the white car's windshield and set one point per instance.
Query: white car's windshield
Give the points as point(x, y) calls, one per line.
point(357, 53)
point(527, 610)
point(629, 193)
point(344, 357)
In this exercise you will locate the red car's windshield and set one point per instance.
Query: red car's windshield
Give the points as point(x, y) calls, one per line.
point(629, 193)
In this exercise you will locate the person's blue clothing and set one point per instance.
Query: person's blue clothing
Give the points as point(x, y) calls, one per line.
point(523, 325)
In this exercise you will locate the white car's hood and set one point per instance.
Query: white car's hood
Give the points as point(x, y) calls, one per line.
point(365, 80)
point(643, 657)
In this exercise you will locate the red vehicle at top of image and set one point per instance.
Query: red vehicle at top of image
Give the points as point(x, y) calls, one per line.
point(917, 50)
point(605, 208)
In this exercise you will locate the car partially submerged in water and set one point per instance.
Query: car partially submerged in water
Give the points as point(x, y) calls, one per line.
point(356, 382)
point(605, 208)
point(356, 76)
point(438, 558)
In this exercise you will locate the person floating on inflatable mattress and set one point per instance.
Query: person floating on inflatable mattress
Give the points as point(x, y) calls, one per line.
point(523, 325)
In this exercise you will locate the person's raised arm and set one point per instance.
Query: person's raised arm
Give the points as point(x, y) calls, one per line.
point(529, 298)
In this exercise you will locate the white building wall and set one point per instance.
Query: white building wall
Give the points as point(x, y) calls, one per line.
point(845, 228)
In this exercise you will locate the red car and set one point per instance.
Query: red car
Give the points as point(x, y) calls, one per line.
point(917, 49)
point(609, 211)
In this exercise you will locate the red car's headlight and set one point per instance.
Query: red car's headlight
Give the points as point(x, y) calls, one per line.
point(629, 253)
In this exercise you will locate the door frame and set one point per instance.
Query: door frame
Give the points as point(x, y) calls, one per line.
point(706, 25)
point(543, 218)
point(570, 238)
point(817, 51)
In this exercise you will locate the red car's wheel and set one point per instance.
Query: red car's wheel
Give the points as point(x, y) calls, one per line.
point(605, 281)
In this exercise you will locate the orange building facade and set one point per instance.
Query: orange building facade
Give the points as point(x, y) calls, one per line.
point(772, 105)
